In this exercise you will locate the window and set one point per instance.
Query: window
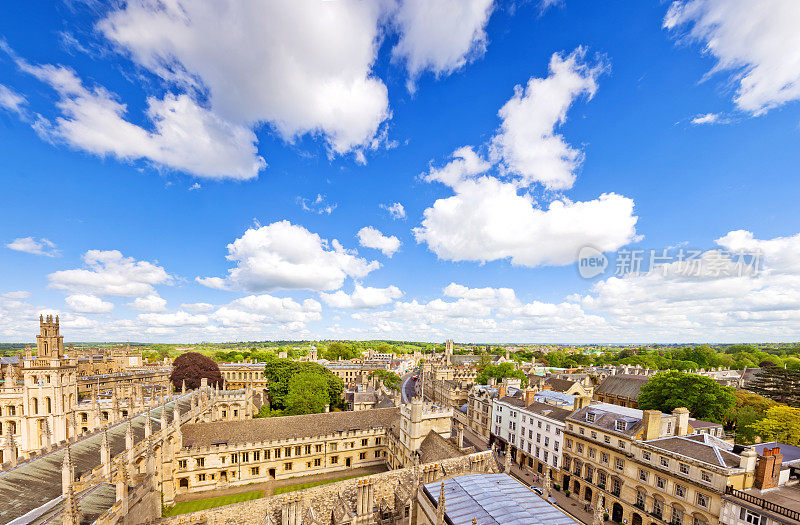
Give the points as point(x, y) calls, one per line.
point(619, 464)
point(287, 466)
point(254, 471)
point(601, 479)
point(539, 439)
point(297, 450)
point(317, 462)
point(664, 462)
point(621, 444)
point(581, 431)
point(234, 458)
point(245, 457)
point(580, 448)
point(661, 482)
point(540, 424)
point(333, 447)
point(277, 453)
point(705, 476)
point(182, 463)
point(702, 500)
point(362, 455)
point(201, 477)
point(677, 516)
point(546, 441)
point(547, 428)
point(590, 417)
point(569, 426)
point(257, 456)
point(545, 455)
point(307, 449)
point(604, 458)
point(641, 497)
point(683, 467)
point(643, 475)
point(751, 517)
point(569, 444)
point(377, 453)
point(378, 440)
point(607, 439)
point(364, 442)
point(200, 462)
point(658, 508)
point(334, 460)
point(620, 425)
point(616, 486)
point(594, 435)
point(680, 491)
point(558, 431)
point(288, 451)
point(555, 446)
point(537, 452)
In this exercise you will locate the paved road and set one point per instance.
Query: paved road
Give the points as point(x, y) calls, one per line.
point(407, 387)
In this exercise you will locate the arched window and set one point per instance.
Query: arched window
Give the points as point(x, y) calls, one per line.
point(34, 406)
point(12, 427)
point(49, 405)
point(44, 347)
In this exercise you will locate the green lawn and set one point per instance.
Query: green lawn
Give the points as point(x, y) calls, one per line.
point(301, 486)
point(202, 504)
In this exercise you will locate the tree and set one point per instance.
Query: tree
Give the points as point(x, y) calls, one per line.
point(705, 398)
point(307, 394)
point(749, 409)
point(389, 378)
point(500, 372)
point(337, 350)
point(192, 368)
point(779, 384)
point(280, 371)
point(782, 423)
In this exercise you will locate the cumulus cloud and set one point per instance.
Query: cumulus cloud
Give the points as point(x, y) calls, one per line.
point(185, 136)
point(363, 297)
point(488, 219)
point(173, 319)
point(396, 210)
point(284, 255)
point(370, 237)
point(758, 42)
point(149, 303)
point(527, 141)
point(302, 73)
point(88, 304)
point(254, 310)
point(318, 205)
point(34, 246)
point(440, 36)
point(20, 294)
point(109, 273)
point(11, 100)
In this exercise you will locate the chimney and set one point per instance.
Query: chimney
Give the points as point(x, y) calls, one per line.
point(748, 459)
point(768, 469)
point(502, 390)
point(651, 423)
point(581, 401)
point(681, 421)
point(529, 393)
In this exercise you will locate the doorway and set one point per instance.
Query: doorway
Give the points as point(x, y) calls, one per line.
point(272, 473)
point(347, 462)
point(637, 519)
point(616, 512)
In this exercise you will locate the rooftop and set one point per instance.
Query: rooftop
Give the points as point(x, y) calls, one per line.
point(622, 385)
point(286, 427)
point(494, 499)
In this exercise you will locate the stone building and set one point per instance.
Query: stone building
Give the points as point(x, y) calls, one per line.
point(644, 465)
point(620, 389)
point(479, 409)
point(446, 379)
point(237, 376)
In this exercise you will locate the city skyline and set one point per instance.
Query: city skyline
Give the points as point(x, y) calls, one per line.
point(257, 173)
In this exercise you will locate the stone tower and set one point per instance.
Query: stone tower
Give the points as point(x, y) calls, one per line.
point(49, 343)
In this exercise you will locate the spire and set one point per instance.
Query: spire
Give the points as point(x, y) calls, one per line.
point(440, 507)
point(66, 471)
point(183, 387)
point(71, 514)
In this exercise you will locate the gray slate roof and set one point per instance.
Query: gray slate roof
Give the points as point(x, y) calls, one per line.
point(622, 385)
point(286, 427)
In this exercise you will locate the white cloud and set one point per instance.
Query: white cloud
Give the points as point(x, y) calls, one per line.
point(11, 100)
point(197, 308)
point(284, 255)
point(149, 303)
point(185, 136)
point(34, 246)
point(396, 210)
point(260, 309)
point(707, 118)
point(302, 71)
point(370, 237)
point(488, 219)
point(195, 186)
point(88, 304)
point(442, 35)
point(110, 273)
point(21, 294)
point(527, 142)
point(172, 319)
point(317, 205)
point(362, 297)
point(757, 41)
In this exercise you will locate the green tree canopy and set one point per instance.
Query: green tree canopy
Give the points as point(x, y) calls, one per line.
point(500, 372)
point(705, 398)
point(782, 423)
point(280, 371)
point(338, 350)
point(779, 384)
point(389, 378)
point(307, 394)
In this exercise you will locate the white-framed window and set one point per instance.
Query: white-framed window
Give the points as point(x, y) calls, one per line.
point(619, 463)
point(684, 468)
point(645, 455)
point(619, 424)
point(643, 475)
point(706, 476)
point(607, 439)
point(702, 500)
point(664, 462)
point(661, 482)
point(680, 491)
point(754, 518)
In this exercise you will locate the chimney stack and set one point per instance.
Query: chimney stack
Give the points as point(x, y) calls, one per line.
point(681, 421)
point(768, 469)
point(529, 393)
point(502, 390)
point(651, 422)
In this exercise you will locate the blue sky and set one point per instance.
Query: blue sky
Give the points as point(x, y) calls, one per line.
point(191, 175)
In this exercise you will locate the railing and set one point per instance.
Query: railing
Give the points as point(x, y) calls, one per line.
point(764, 504)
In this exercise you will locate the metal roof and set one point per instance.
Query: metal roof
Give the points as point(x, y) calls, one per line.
point(495, 499)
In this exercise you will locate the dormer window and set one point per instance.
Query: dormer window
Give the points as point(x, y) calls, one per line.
point(620, 425)
point(591, 416)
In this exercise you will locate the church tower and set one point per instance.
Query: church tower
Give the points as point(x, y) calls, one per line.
point(49, 389)
point(49, 343)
